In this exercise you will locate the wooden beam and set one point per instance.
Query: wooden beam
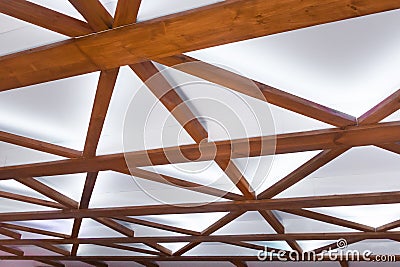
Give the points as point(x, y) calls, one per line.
point(126, 12)
point(344, 264)
point(209, 230)
point(39, 145)
point(330, 219)
point(44, 17)
point(208, 238)
point(157, 225)
point(257, 90)
point(303, 171)
point(116, 226)
point(388, 226)
point(374, 115)
point(168, 180)
point(114, 48)
point(32, 230)
point(48, 192)
point(334, 245)
point(238, 263)
point(54, 249)
point(9, 233)
point(270, 217)
point(222, 206)
point(385, 108)
point(30, 200)
point(12, 250)
point(393, 147)
point(128, 248)
point(52, 263)
point(248, 147)
point(95, 14)
point(167, 95)
point(101, 103)
point(158, 247)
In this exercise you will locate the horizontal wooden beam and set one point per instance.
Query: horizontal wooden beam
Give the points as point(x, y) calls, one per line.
point(44, 17)
point(239, 148)
point(229, 21)
point(210, 238)
point(226, 206)
point(257, 90)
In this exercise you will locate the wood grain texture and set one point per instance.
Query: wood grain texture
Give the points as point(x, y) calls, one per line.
point(44, 17)
point(222, 206)
point(230, 21)
point(258, 146)
point(38, 145)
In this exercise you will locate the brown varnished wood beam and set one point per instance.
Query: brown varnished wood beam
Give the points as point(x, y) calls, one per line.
point(257, 90)
point(114, 48)
point(226, 206)
point(44, 17)
point(248, 147)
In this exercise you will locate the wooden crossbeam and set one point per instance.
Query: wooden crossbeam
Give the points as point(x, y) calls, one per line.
point(158, 225)
point(167, 95)
point(39, 145)
point(32, 230)
point(48, 191)
point(102, 100)
point(95, 14)
point(210, 238)
point(257, 90)
point(114, 48)
point(126, 12)
point(257, 146)
point(330, 219)
point(222, 206)
point(168, 180)
point(9, 233)
point(209, 230)
point(374, 115)
point(31, 200)
point(10, 250)
point(270, 217)
point(44, 17)
point(128, 248)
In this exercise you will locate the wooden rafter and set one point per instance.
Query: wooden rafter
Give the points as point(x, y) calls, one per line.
point(109, 47)
point(211, 238)
point(362, 135)
point(86, 55)
point(257, 90)
point(44, 17)
point(374, 115)
point(222, 206)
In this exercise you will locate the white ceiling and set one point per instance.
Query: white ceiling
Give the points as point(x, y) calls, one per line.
point(349, 65)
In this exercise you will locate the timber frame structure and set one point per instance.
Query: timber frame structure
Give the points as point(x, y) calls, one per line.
point(104, 43)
